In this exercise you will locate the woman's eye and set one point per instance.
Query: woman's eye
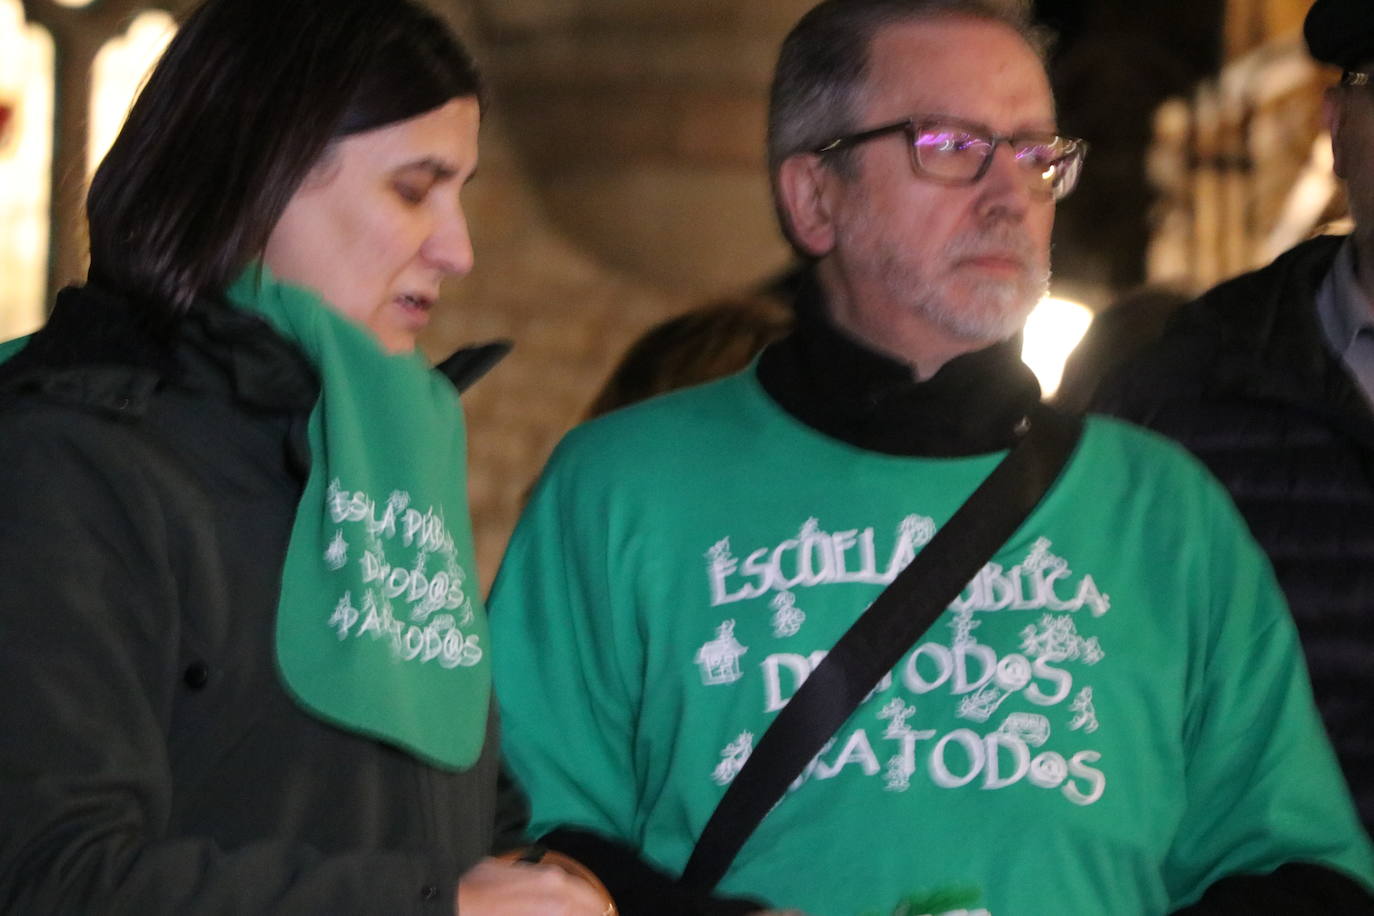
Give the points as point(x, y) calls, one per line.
point(412, 194)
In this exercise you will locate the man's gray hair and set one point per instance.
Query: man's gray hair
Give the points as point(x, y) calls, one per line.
point(824, 63)
point(823, 66)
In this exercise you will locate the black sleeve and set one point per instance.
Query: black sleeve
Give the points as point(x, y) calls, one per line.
point(1295, 888)
point(638, 888)
point(90, 606)
point(512, 813)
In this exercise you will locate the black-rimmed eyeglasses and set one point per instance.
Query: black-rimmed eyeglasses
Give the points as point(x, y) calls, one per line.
point(955, 152)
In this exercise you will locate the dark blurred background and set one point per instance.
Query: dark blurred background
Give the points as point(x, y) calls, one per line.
point(1114, 62)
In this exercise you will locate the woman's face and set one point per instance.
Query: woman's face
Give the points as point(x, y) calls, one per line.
point(377, 225)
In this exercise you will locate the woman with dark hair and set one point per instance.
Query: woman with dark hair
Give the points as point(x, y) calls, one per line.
point(243, 658)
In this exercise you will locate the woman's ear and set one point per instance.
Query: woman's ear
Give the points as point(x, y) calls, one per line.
point(803, 182)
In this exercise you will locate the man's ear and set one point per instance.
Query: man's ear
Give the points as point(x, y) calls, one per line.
point(803, 181)
point(1333, 113)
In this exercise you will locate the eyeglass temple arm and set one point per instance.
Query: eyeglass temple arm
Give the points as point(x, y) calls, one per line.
point(854, 139)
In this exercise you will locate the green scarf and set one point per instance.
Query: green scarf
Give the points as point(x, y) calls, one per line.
point(10, 347)
point(380, 624)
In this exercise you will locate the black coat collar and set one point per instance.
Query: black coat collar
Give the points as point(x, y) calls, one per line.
point(103, 350)
point(104, 347)
point(1270, 340)
point(976, 403)
point(1262, 339)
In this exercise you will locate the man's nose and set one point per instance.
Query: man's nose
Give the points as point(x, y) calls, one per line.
point(1008, 185)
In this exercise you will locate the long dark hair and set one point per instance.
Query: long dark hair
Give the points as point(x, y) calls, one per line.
point(243, 103)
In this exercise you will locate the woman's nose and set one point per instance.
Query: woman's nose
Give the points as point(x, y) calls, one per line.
point(449, 246)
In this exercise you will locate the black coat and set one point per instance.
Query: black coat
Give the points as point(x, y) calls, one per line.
point(150, 759)
point(1244, 379)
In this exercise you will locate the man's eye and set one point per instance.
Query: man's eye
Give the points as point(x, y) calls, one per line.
point(1039, 155)
point(951, 142)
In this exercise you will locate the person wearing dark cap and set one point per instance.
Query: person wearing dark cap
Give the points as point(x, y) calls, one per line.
point(1269, 379)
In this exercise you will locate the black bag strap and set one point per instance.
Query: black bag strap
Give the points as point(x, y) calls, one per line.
point(876, 642)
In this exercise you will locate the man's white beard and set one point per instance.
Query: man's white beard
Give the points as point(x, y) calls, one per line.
point(990, 310)
point(965, 304)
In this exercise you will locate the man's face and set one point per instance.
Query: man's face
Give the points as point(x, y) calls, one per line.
point(1349, 114)
point(915, 259)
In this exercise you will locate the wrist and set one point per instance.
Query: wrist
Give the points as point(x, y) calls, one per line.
point(542, 855)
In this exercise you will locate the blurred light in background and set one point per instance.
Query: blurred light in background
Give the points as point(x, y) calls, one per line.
point(26, 93)
point(119, 71)
point(1308, 198)
point(27, 66)
point(1054, 328)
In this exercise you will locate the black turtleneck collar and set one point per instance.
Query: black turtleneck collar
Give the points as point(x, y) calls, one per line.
point(976, 403)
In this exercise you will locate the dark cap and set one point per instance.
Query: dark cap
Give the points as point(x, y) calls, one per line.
point(1341, 32)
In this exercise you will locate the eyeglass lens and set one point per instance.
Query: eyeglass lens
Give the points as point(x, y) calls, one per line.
point(957, 153)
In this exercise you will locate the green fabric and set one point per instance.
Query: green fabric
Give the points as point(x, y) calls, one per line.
point(10, 347)
point(380, 626)
point(1114, 715)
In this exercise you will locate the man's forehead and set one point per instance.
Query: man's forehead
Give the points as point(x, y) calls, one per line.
point(975, 69)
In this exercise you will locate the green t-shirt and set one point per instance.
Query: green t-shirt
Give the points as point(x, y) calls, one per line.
point(1113, 715)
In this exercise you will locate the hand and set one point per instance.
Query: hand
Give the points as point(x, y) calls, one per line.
point(498, 888)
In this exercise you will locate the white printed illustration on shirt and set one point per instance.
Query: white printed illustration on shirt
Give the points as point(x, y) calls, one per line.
point(896, 712)
point(719, 658)
point(899, 770)
point(336, 554)
point(1055, 639)
point(1087, 715)
point(430, 588)
point(979, 679)
point(1030, 727)
point(1041, 558)
point(733, 758)
point(916, 530)
point(787, 617)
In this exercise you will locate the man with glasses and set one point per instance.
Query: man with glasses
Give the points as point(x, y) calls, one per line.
point(1112, 718)
point(1269, 379)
